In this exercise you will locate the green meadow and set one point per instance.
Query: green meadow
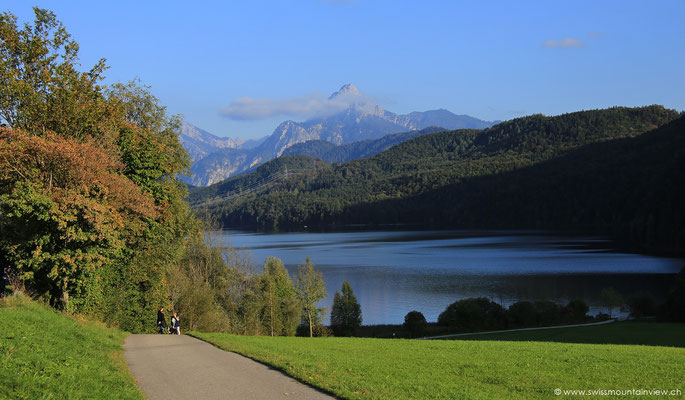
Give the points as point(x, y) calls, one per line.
point(364, 368)
point(45, 354)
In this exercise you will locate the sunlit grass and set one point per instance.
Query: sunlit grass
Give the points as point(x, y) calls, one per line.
point(393, 369)
point(47, 355)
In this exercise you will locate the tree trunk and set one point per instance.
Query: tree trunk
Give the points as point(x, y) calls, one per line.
point(311, 329)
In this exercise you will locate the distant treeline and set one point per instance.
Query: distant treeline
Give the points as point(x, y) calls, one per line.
point(617, 171)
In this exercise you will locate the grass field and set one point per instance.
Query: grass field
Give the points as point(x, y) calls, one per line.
point(629, 332)
point(362, 368)
point(47, 355)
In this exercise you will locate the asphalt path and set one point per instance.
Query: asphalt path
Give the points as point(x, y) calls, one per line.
point(182, 367)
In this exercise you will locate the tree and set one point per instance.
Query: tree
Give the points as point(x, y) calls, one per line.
point(346, 314)
point(473, 314)
point(66, 215)
point(415, 323)
point(92, 215)
point(611, 299)
point(282, 312)
point(576, 310)
point(310, 290)
point(641, 304)
point(522, 313)
point(675, 301)
point(40, 88)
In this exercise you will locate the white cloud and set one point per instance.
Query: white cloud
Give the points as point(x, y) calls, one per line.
point(307, 106)
point(564, 43)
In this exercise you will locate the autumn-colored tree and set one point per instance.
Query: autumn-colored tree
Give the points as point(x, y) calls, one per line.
point(66, 213)
point(91, 212)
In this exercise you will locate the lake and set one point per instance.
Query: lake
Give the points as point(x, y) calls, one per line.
point(395, 272)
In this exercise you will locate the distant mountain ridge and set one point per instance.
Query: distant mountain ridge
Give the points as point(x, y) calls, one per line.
point(200, 143)
point(361, 120)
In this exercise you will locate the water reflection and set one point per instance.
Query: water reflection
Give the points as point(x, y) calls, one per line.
point(393, 273)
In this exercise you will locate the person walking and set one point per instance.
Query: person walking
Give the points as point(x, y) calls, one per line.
point(161, 321)
point(175, 325)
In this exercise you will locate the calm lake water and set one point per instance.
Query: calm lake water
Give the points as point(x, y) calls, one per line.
point(395, 272)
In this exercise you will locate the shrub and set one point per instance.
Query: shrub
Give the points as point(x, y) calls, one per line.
point(612, 299)
point(641, 304)
point(602, 317)
point(317, 331)
point(473, 314)
point(548, 312)
point(576, 311)
point(522, 313)
point(415, 323)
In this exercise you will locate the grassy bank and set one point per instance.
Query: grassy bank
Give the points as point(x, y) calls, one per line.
point(47, 355)
point(629, 332)
point(386, 369)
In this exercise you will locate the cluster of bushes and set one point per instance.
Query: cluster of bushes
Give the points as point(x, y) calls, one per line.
point(482, 314)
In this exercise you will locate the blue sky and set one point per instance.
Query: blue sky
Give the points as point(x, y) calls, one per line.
point(491, 60)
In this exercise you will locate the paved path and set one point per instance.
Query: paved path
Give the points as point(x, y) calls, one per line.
point(181, 367)
point(517, 330)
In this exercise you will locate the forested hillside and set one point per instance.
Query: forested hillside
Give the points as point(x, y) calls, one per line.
point(329, 152)
point(601, 171)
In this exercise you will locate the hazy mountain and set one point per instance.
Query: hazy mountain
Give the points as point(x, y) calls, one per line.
point(218, 165)
point(358, 120)
point(250, 143)
point(199, 143)
point(363, 120)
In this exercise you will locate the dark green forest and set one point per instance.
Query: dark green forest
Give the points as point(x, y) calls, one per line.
point(615, 171)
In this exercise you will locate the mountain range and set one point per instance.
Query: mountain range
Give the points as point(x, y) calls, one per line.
point(215, 159)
